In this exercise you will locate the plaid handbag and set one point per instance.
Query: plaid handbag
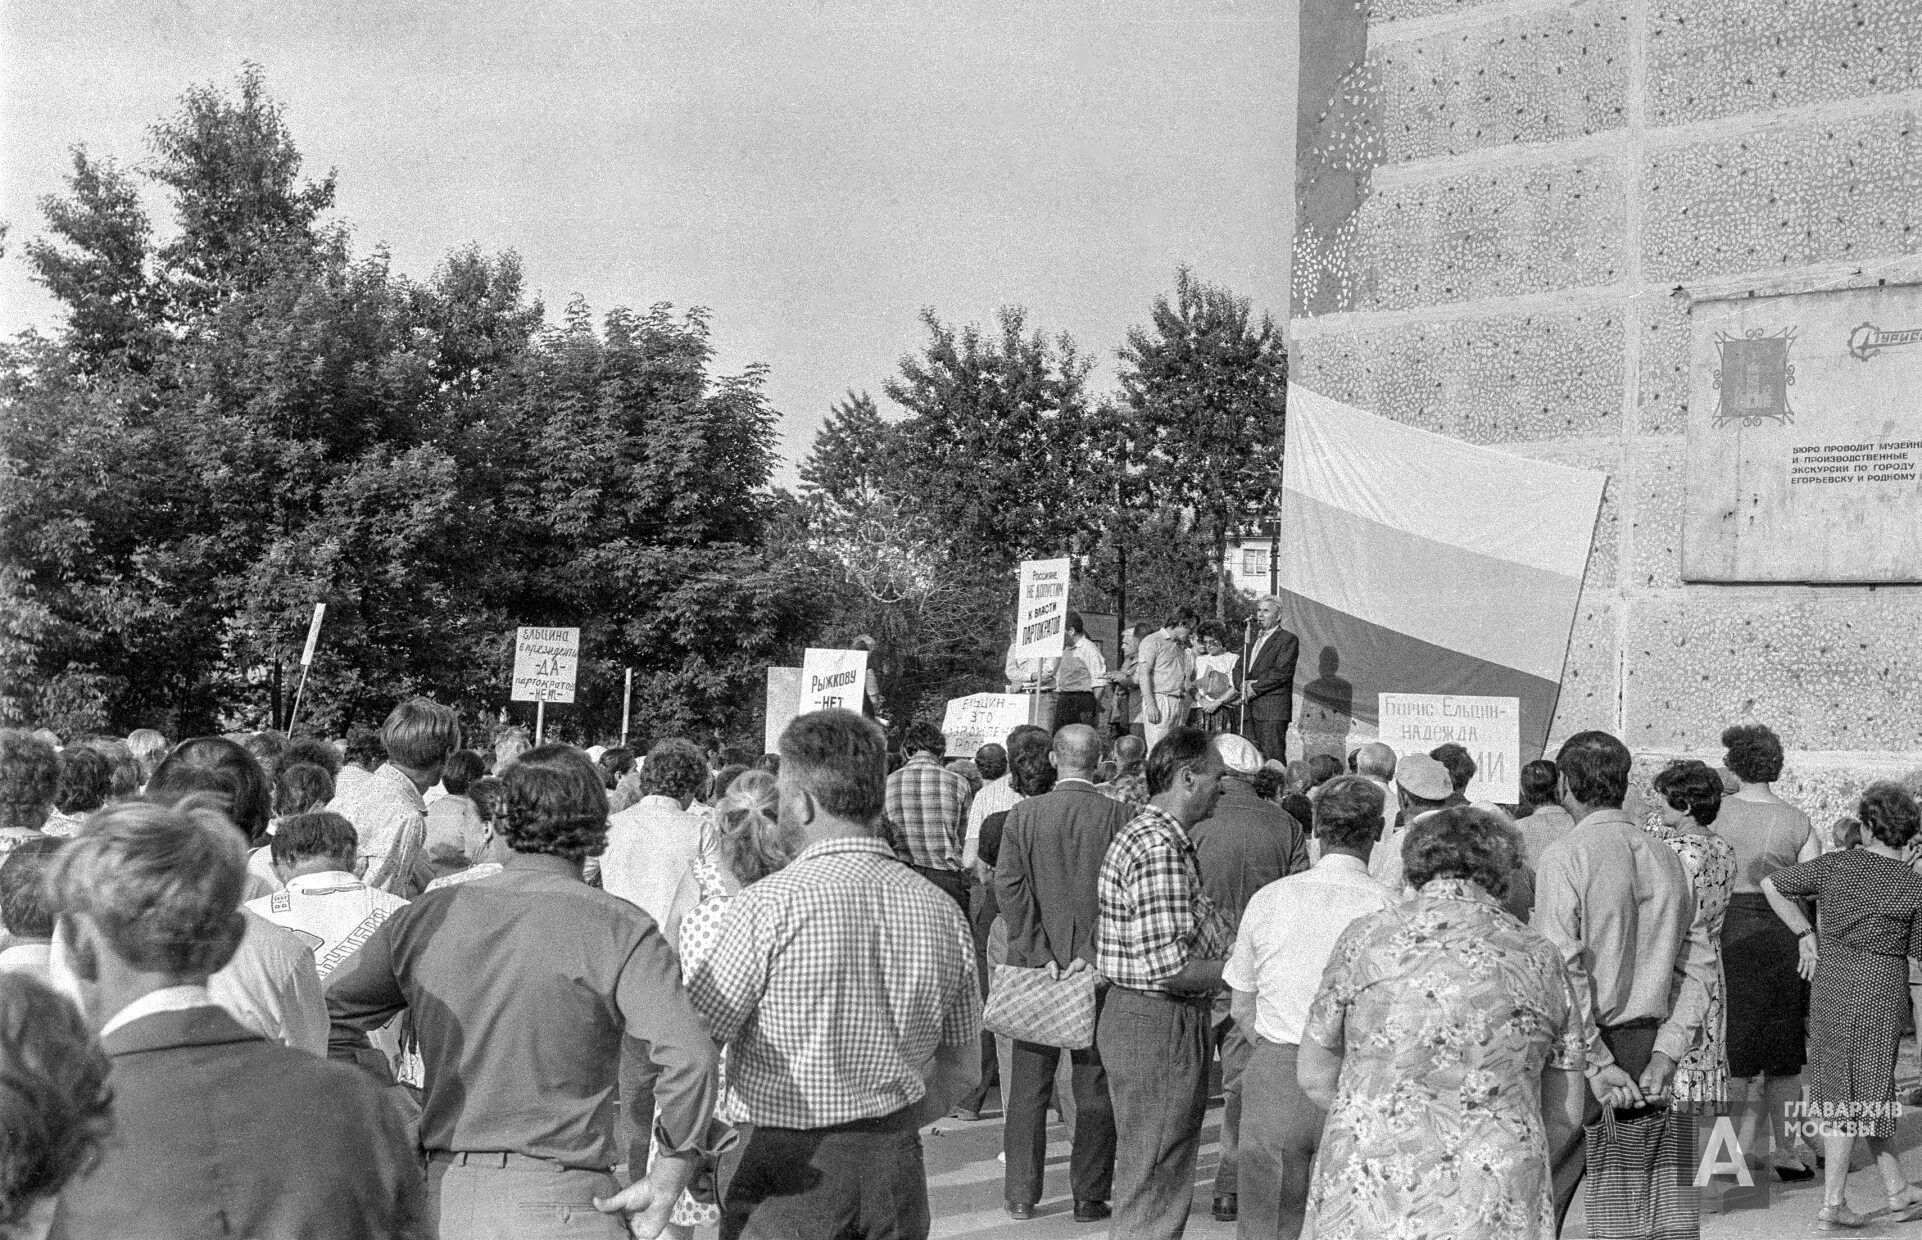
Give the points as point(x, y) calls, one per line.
point(1044, 1005)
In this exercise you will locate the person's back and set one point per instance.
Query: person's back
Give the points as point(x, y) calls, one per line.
point(1246, 843)
point(1048, 870)
point(1767, 836)
point(1540, 829)
point(651, 843)
point(1632, 893)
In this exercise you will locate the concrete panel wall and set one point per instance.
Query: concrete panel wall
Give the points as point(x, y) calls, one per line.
point(1529, 195)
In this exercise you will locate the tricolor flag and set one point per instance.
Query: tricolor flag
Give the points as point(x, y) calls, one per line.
point(1416, 563)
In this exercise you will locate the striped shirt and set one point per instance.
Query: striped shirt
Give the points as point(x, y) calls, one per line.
point(927, 810)
point(833, 982)
point(1154, 916)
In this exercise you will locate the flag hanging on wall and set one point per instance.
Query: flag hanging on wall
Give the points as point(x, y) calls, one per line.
point(1416, 563)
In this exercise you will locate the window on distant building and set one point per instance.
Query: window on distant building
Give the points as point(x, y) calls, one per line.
point(1254, 562)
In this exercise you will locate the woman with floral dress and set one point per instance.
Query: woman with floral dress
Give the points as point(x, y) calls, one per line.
point(1690, 797)
point(1442, 1032)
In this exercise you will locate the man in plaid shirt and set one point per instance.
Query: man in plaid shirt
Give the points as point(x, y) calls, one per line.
point(927, 812)
point(846, 989)
point(1162, 943)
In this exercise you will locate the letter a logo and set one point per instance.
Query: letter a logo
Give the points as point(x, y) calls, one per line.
point(1722, 1155)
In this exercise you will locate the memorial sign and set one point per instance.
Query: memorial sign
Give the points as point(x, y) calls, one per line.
point(1805, 438)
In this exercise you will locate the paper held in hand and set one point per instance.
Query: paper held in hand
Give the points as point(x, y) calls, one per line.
point(545, 664)
point(833, 679)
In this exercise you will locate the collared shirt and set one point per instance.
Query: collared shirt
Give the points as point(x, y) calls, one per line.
point(521, 988)
point(1245, 844)
point(649, 847)
point(1163, 661)
point(927, 810)
point(166, 999)
point(390, 818)
point(334, 912)
point(273, 987)
point(1129, 789)
point(1289, 932)
point(1155, 916)
point(485, 869)
point(1617, 903)
point(833, 982)
point(33, 958)
point(996, 796)
point(454, 830)
point(1081, 668)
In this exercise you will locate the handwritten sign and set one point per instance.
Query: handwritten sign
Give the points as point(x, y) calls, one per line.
point(833, 680)
point(1490, 728)
point(982, 719)
point(545, 664)
point(1040, 623)
point(783, 703)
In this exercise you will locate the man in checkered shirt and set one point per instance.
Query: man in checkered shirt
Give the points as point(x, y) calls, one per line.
point(927, 812)
point(845, 985)
point(1162, 943)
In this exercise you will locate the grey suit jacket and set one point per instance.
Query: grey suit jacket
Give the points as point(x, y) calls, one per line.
point(1044, 880)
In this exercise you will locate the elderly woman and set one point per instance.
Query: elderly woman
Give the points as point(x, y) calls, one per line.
point(1691, 798)
point(1870, 906)
point(1442, 1038)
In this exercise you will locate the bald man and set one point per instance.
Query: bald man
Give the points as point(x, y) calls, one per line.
point(1044, 880)
point(1375, 762)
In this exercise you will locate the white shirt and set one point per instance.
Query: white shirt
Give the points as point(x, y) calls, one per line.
point(272, 987)
point(995, 795)
point(649, 848)
point(1385, 862)
point(166, 999)
point(31, 958)
point(1287, 934)
point(333, 912)
point(390, 817)
point(484, 869)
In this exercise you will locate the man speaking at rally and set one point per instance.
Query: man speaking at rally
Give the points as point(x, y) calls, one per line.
point(1269, 686)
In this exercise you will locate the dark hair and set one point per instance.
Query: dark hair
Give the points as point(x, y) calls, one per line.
point(1348, 812)
point(1691, 787)
point(85, 779)
point(420, 733)
point(485, 793)
point(1143, 629)
point(1180, 750)
point(127, 772)
point(1180, 616)
point(1462, 842)
point(1354, 761)
point(216, 764)
point(614, 763)
point(841, 760)
point(54, 1099)
point(301, 788)
point(925, 734)
point(314, 752)
point(462, 768)
point(1461, 767)
point(1889, 813)
point(266, 747)
point(991, 760)
point(24, 910)
point(554, 804)
point(674, 768)
point(1267, 783)
point(29, 776)
point(363, 748)
point(1029, 771)
point(1322, 768)
point(723, 778)
point(736, 755)
point(320, 834)
point(1537, 782)
point(1072, 623)
point(1215, 629)
point(1754, 752)
point(1595, 766)
point(771, 763)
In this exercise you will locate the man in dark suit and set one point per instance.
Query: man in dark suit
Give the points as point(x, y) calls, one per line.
point(1269, 687)
point(217, 1131)
point(1044, 878)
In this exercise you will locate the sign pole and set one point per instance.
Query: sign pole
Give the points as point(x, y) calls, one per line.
point(307, 661)
point(304, 669)
point(627, 704)
point(540, 720)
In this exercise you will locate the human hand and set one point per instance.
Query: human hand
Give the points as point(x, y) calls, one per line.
point(1656, 1076)
point(1077, 965)
point(643, 1207)
point(1614, 1087)
point(1151, 713)
point(1809, 955)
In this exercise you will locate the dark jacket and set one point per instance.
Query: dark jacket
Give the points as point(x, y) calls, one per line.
point(1051, 851)
point(1271, 677)
point(1244, 845)
point(220, 1132)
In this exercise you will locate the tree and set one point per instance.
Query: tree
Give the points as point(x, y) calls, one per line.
point(99, 268)
point(1208, 391)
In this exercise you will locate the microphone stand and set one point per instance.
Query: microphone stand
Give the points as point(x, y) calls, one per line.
point(1247, 638)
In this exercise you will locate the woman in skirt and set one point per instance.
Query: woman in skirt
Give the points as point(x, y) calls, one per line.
point(1869, 904)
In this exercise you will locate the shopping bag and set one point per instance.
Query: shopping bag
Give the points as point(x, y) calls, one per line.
point(1045, 1006)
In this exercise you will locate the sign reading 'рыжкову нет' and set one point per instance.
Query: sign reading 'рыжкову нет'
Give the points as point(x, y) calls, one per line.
point(1040, 622)
point(833, 680)
point(545, 663)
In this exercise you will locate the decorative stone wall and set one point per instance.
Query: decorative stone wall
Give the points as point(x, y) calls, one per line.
point(1504, 208)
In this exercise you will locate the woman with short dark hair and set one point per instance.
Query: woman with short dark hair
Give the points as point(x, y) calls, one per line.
point(1691, 796)
point(1432, 1116)
point(1869, 905)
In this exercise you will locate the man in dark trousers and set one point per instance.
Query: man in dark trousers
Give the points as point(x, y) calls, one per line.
point(1045, 877)
point(1269, 687)
point(1244, 845)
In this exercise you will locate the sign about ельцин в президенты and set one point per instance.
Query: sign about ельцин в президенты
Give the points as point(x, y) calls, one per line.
point(1805, 438)
point(545, 664)
point(1489, 728)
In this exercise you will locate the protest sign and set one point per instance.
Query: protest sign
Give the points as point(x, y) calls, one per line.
point(544, 664)
point(313, 634)
point(783, 703)
point(832, 679)
point(1039, 629)
point(983, 718)
point(1490, 728)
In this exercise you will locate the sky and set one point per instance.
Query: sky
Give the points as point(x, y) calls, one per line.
point(815, 173)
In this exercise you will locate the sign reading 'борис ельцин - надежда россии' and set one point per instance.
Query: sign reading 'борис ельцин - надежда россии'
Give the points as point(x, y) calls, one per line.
point(546, 662)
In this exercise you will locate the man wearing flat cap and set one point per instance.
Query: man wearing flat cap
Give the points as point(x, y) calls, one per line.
point(1244, 845)
point(1423, 786)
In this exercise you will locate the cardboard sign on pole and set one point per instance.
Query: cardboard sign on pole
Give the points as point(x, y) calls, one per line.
point(545, 664)
point(833, 679)
point(1040, 629)
point(982, 719)
point(1490, 728)
point(313, 634)
point(783, 703)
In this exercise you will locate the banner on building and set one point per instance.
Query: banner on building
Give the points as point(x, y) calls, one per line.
point(545, 664)
point(982, 719)
point(1040, 628)
point(1417, 563)
point(1489, 728)
point(833, 680)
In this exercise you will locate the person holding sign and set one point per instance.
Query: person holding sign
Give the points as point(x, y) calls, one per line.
point(1078, 676)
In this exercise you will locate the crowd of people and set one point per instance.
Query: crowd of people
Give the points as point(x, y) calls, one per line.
point(394, 986)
